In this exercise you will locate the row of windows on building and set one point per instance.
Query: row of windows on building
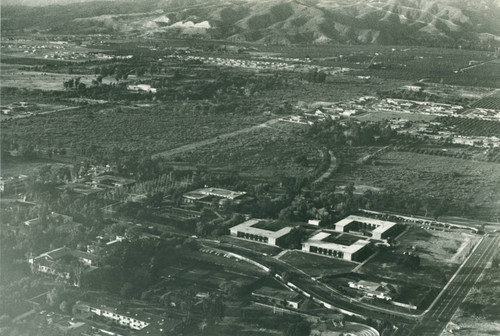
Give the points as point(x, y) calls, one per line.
point(328, 252)
point(250, 236)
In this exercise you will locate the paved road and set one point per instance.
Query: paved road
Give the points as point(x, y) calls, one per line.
point(436, 319)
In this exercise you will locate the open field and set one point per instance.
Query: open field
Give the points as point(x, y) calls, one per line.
point(264, 152)
point(436, 246)
point(440, 255)
point(315, 265)
point(464, 181)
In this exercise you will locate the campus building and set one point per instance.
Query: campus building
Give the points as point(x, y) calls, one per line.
point(59, 263)
point(324, 243)
point(141, 323)
point(205, 194)
point(122, 318)
point(375, 228)
point(278, 297)
point(267, 232)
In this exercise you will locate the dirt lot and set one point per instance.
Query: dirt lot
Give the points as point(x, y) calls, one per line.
point(437, 246)
point(440, 254)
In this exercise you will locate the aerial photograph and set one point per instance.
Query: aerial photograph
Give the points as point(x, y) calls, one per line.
point(250, 167)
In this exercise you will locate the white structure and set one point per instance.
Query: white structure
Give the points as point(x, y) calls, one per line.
point(320, 245)
point(314, 222)
point(141, 87)
point(113, 314)
point(379, 229)
point(247, 230)
point(200, 194)
point(373, 289)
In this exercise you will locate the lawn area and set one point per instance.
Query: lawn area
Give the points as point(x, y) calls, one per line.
point(317, 265)
point(265, 152)
point(474, 183)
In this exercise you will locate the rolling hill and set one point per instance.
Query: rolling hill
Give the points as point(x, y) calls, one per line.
point(430, 22)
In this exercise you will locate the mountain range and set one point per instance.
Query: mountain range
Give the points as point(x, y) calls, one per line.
point(434, 22)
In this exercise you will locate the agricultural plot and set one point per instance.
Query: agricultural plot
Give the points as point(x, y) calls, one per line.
point(472, 127)
point(489, 102)
point(439, 66)
point(93, 129)
point(262, 153)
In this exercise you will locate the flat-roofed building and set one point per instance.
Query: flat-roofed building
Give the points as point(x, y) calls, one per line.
point(378, 229)
point(205, 193)
point(325, 244)
point(260, 230)
point(281, 297)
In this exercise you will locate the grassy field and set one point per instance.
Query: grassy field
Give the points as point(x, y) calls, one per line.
point(315, 265)
point(477, 183)
point(263, 152)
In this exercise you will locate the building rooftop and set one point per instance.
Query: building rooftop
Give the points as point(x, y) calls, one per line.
point(381, 224)
point(320, 240)
point(217, 192)
point(249, 227)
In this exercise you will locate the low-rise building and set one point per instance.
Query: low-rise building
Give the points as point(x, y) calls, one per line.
point(204, 194)
point(260, 230)
point(140, 322)
point(373, 289)
point(53, 217)
point(111, 181)
point(377, 229)
point(279, 297)
point(141, 88)
point(13, 184)
point(60, 264)
point(324, 243)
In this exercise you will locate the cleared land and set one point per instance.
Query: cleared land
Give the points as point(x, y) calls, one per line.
point(438, 253)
